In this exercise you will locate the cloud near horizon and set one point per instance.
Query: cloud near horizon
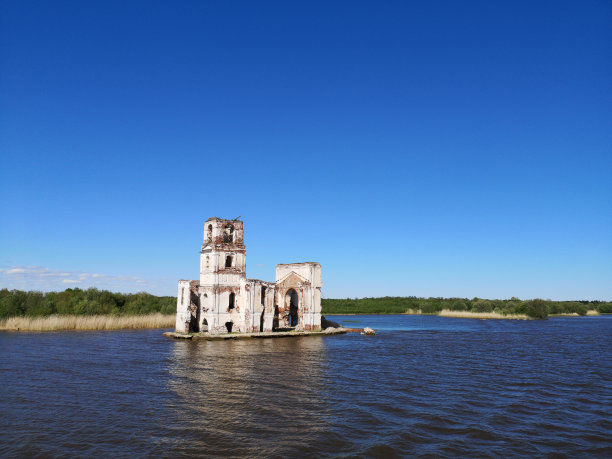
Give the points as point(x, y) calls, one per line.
point(47, 279)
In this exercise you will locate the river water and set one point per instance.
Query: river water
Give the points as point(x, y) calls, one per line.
point(423, 386)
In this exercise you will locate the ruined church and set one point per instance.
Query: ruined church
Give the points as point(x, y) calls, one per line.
point(223, 300)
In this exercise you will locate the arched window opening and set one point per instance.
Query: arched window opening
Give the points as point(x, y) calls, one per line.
point(232, 300)
point(228, 261)
point(228, 234)
point(182, 295)
point(263, 295)
point(207, 262)
point(209, 233)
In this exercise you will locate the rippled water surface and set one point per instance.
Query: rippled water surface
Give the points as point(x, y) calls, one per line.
point(423, 385)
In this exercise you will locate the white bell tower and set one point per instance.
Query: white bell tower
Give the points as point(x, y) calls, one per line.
point(222, 274)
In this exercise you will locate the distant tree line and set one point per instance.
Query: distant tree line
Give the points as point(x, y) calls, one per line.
point(92, 301)
point(398, 305)
point(75, 301)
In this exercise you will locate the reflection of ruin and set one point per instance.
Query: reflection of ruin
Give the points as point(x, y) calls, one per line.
point(224, 389)
point(225, 301)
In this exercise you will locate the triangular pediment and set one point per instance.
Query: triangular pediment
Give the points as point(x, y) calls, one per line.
point(292, 279)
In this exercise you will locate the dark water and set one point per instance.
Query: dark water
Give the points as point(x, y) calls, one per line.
point(422, 386)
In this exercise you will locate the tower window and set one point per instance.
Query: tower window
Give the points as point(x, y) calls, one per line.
point(228, 261)
point(228, 233)
point(232, 300)
point(209, 233)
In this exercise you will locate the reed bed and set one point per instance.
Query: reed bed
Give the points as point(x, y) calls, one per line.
point(590, 312)
point(97, 322)
point(480, 315)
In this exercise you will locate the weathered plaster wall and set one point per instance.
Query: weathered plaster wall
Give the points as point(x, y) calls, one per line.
point(188, 306)
point(305, 279)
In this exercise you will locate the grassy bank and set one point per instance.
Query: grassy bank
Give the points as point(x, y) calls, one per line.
point(94, 322)
point(464, 307)
point(77, 309)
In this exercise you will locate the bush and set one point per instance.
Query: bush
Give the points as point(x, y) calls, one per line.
point(482, 306)
point(458, 305)
point(537, 309)
point(604, 308)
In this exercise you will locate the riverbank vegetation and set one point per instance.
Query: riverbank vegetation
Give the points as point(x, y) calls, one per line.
point(94, 309)
point(96, 322)
point(536, 308)
point(480, 315)
point(77, 309)
point(78, 302)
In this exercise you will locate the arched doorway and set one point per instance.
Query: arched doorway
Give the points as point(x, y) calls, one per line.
point(205, 325)
point(292, 300)
point(228, 326)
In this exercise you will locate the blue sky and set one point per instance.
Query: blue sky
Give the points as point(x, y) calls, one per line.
point(431, 148)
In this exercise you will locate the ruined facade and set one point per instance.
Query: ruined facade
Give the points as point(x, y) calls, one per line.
point(224, 300)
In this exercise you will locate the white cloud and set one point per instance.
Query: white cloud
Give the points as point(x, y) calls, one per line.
point(47, 279)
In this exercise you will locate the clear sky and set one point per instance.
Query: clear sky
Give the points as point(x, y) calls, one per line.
point(428, 148)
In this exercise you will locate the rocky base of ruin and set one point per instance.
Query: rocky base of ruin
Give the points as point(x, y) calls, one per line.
point(280, 334)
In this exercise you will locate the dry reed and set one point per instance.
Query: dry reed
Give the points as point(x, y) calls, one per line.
point(51, 323)
point(480, 315)
point(590, 312)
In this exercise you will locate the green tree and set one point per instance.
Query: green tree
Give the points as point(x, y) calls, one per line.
point(537, 309)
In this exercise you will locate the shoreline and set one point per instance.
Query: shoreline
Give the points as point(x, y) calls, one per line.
point(464, 314)
point(158, 320)
point(443, 313)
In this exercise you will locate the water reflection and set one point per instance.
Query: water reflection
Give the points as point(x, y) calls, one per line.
point(242, 397)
